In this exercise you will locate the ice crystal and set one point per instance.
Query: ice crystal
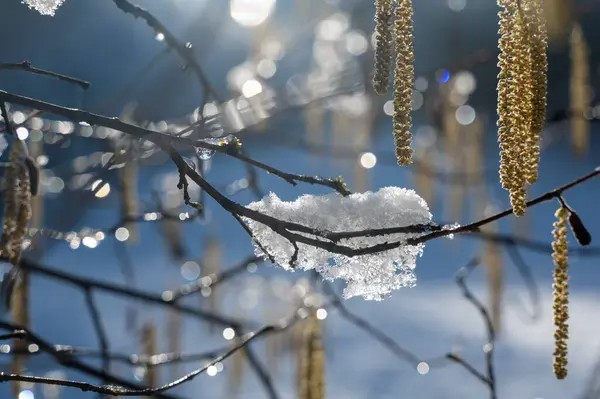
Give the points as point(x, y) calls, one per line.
point(44, 7)
point(371, 276)
point(207, 153)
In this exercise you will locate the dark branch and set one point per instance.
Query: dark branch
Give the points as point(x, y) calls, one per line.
point(27, 67)
point(85, 284)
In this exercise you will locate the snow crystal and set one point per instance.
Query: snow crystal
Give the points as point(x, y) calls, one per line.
point(371, 276)
point(44, 7)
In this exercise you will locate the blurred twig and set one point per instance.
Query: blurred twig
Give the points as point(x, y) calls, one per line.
point(490, 377)
point(27, 67)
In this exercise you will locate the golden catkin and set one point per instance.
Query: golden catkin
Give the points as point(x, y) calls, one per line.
point(149, 349)
point(312, 361)
point(384, 18)
point(17, 213)
point(579, 91)
point(17, 205)
point(521, 95)
point(561, 293)
point(559, 15)
point(538, 40)
point(403, 81)
point(129, 198)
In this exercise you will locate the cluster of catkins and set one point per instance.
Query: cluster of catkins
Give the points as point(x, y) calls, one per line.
point(522, 85)
point(394, 33)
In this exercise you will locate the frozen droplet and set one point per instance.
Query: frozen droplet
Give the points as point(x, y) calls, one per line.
point(204, 153)
point(207, 153)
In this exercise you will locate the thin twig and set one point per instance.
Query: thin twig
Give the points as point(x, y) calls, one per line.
point(99, 328)
point(122, 391)
point(184, 51)
point(70, 362)
point(27, 67)
point(86, 283)
point(215, 280)
point(261, 372)
point(461, 278)
point(378, 335)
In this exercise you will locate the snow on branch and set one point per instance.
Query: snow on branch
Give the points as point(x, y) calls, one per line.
point(372, 276)
point(44, 7)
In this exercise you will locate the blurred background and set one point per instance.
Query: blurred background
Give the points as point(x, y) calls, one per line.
point(291, 80)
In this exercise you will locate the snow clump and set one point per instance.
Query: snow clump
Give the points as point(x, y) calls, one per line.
point(44, 7)
point(371, 276)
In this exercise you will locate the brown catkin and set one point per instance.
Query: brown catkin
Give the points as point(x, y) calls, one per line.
point(17, 213)
point(129, 198)
point(579, 92)
point(538, 40)
point(149, 349)
point(403, 81)
point(312, 361)
point(521, 95)
point(561, 293)
point(384, 18)
point(17, 205)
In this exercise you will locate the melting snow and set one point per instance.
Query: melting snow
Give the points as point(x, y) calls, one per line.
point(371, 276)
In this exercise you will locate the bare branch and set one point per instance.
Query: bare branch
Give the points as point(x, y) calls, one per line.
point(85, 283)
point(27, 67)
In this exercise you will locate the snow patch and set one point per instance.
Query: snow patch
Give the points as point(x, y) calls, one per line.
point(44, 7)
point(371, 276)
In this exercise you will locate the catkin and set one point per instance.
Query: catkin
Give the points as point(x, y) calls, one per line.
point(579, 91)
point(17, 205)
point(312, 361)
point(521, 95)
point(403, 81)
point(561, 293)
point(538, 41)
point(129, 198)
point(384, 18)
point(17, 213)
point(148, 344)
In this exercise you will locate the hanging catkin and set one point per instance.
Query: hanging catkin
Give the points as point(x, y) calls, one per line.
point(311, 374)
point(403, 81)
point(17, 204)
point(561, 293)
point(384, 18)
point(17, 213)
point(149, 349)
point(579, 91)
point(521, 95)
point(538, 44)
point(129, 198)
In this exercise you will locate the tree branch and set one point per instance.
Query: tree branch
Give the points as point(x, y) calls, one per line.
point(27, 67)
